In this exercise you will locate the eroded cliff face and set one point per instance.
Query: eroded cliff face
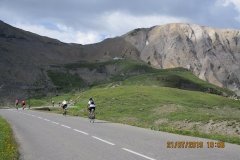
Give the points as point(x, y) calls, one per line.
point(211, 54)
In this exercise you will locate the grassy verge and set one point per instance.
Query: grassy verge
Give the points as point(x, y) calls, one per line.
point(162, 108)
point(224, 138)
point(8, 146)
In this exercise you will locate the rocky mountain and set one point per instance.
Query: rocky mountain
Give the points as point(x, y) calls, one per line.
point(211, 54)
point(26, 57)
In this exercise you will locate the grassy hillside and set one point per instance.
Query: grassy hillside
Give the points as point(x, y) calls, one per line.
point(172, 100)
point(65, 81)
point(129, 72)
point(176, 78)
point(162, 108)
point(138, 100)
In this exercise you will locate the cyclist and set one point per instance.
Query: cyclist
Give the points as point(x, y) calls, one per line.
point(23, 104)
point(91, 109)
point(91, 104)
point(16, 103)
point(64, 106)
point(53, 103)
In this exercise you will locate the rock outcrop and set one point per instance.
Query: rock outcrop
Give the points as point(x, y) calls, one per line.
point(211, 54)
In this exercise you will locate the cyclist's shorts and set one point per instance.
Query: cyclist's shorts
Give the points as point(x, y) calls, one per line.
point(90, 108)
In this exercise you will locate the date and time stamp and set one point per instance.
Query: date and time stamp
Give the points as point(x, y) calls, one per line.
point(195, 144)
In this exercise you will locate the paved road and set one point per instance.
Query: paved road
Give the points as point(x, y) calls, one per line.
point(48, 136)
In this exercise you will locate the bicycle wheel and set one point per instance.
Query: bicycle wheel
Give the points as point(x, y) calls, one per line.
point(92, 115)
point(65, 112)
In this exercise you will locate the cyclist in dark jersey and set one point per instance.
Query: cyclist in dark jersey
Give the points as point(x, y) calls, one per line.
point(23, 104)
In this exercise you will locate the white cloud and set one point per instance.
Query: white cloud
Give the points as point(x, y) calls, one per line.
point(120, 22)
point(87, 38)
point(112, 24)
point(236, 4)
point(84, 22)
point(62, 33)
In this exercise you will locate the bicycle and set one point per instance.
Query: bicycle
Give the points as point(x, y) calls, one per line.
point(64, 107)
point(23, 106)
point(16, 105)
point(64, 111)
point(91, 115)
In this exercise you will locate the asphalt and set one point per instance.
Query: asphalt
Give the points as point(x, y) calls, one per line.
point(49, 136)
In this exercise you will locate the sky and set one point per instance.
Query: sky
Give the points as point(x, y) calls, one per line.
point(91, 21)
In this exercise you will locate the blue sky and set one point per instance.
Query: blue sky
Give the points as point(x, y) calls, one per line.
point(91, 21)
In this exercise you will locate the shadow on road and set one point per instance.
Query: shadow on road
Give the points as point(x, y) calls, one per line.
point(101, 122)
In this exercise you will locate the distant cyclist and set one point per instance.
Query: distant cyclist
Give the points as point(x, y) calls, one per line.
point(23, 104)
point(16, 103)
point(64, 106)
point(91, 109)
point(53, 103)
point(91, 104)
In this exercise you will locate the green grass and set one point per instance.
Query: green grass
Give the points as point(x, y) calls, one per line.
point(139, 95)
point(132, 100)
point(133, 72)
point(224, 138)
point(84, 64)
point(47, 101)
point(37, 102)
point(143, 106)
point(123, 69)
point(176, 78)
point(8, 146)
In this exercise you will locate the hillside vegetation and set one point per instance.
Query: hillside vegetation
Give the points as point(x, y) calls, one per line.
point(172, 100)
point(162, 108)
point(85, 74)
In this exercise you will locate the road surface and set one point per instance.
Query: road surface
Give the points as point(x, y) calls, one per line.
point(49, 136)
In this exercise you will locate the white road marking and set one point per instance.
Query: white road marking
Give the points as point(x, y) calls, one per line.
point(66, 126)
point(128, 150)
point(54, 122)
point(103, 140)
point(80, 131)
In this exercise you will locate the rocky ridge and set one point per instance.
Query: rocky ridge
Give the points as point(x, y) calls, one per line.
point(211, 54)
